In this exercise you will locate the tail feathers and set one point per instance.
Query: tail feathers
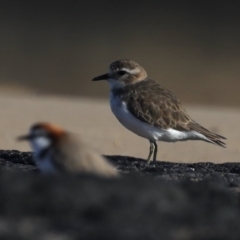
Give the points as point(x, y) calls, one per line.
point(211, 137)
point(217, 140)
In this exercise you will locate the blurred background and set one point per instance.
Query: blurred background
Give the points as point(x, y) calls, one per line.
point(57, 47)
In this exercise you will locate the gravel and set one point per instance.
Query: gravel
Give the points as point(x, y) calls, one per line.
point(160, 201)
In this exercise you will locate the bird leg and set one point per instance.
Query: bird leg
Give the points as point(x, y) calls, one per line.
point(155, 152)
point(151, 150)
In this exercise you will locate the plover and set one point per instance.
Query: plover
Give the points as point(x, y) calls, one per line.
point(56, 150)
point(149, 110)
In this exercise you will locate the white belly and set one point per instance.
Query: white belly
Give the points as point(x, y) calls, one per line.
point(148, 131)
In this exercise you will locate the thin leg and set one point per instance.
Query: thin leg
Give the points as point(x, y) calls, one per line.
point(155, 152)
point(151, 150)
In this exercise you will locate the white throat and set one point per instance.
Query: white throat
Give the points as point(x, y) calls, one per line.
point(115, 84)
point(39, 144)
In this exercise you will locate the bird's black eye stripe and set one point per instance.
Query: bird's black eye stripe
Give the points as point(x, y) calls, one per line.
point(121, 72)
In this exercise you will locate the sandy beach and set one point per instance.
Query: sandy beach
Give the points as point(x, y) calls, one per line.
point(94, 122)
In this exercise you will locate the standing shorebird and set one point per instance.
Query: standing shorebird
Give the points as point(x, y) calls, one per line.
point(56, 150)
point(149, 110)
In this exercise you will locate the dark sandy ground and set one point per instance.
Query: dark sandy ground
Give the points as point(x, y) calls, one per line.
point(161, 201)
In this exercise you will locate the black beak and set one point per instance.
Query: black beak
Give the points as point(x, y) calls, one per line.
point(24, 138)
point(102, 77)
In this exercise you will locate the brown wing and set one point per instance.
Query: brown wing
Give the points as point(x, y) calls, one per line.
point(153, 104)
point(74, 156)
point(65, 154)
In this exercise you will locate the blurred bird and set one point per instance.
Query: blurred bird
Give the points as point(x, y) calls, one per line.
point(149, 110)
point(56, 150)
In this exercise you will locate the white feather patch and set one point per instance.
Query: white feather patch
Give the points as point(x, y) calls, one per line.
point(131, 71)
point(40, 143)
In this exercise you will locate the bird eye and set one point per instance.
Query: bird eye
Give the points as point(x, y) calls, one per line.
point(121, 73)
